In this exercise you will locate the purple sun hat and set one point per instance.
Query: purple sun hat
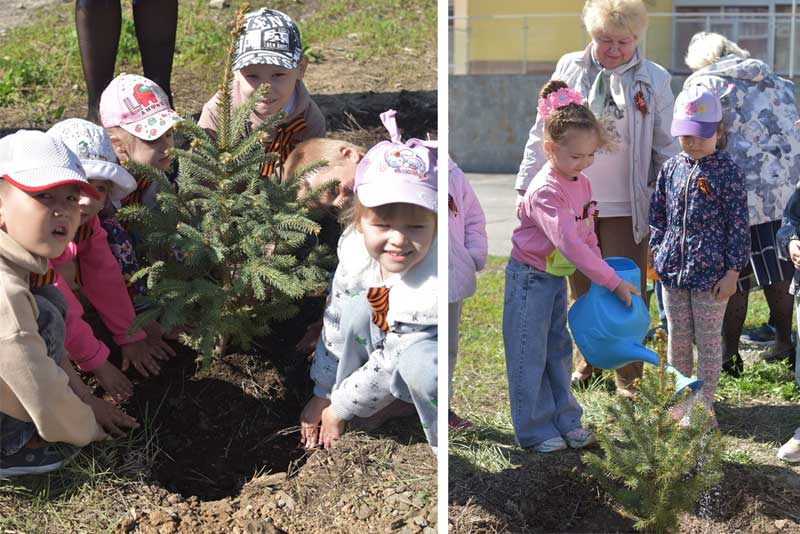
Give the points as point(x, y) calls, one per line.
point(698, 112)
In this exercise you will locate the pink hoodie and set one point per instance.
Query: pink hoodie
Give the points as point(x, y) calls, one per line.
point(104, 286)
point(556, 231)
point(467, 235)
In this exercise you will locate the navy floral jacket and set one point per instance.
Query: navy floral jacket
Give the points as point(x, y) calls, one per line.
point(699, 226)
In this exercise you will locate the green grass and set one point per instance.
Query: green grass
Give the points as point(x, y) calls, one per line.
point(481, 388)
point(42, 85)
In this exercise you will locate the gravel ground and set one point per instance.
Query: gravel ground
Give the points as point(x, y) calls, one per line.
point(14, 12)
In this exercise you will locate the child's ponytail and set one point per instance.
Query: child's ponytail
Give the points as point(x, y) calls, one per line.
point(563, 109)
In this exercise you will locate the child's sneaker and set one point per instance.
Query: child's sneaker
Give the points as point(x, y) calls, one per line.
point(457, 423)
point(579, 438)
point(790, 451)
point(551, 445)
point(37, 460)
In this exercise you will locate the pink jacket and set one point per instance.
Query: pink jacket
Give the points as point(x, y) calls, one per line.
point(467, 233)
point(556, 231)
point(104, 286)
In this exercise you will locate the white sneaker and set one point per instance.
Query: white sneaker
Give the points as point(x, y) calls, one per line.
point(579, 438)
point(790, 451)
point(551, 445)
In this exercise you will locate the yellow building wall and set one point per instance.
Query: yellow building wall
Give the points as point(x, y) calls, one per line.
point(542, 39)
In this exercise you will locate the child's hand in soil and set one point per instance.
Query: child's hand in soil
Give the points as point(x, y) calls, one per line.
point(332, 427)
point(111, 418)
point(624, 292)
point(113, 381)
point(310, 419)
point(309, 341)
point(155, 339)
point(794, 252)
point(140, 354)
point(726, 287)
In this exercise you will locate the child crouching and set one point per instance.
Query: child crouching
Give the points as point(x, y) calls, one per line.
point(380, 335)
point(42, 400)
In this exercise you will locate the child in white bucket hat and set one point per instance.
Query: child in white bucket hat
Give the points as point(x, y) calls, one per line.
point(377, 351)
point(89, 267)
point(42, 399)
point(269, 52)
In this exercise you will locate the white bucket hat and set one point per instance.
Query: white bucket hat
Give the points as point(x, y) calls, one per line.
point(93, 147)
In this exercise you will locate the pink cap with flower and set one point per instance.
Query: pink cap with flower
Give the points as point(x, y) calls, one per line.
point(138, 106)
point(396, 172)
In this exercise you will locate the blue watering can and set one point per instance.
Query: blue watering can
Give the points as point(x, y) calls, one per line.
point(610, 334)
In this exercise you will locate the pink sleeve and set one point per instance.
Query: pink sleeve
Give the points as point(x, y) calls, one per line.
point(552, 214)
point(475, 240)
point(84, 349)
point(104, 286)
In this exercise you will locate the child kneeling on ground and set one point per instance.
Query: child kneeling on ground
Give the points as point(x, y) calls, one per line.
point(380, 334)
point(43, 402)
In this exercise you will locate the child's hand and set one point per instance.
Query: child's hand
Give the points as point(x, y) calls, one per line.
point(139, 354)
point(159, 348)
point(624, 291)
point(309, 341)
point(726, 287)
point(310, 419)
point(332, 427)
point(794, 252)
point(113, 381)
point(111, 418)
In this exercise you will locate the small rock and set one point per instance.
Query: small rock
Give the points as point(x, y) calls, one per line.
point(428, 530)
point(218, 4)
point(780, 523)
point(421, 521)
point(363, 512)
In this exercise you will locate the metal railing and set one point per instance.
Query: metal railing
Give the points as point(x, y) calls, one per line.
point(770, 36)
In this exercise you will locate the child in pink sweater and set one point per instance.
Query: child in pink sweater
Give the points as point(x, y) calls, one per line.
point(88, 268)
point(468, 247)
point(555, 236)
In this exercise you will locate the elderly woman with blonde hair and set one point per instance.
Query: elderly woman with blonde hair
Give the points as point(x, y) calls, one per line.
point(759, 112)
point(633, 99)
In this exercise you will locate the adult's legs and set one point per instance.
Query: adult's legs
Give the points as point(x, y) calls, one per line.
point(732, 324)
point(780, 309)
point(98, 24)
point(156, 25)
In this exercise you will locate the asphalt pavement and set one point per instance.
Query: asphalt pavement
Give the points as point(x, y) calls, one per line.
point(497, 197)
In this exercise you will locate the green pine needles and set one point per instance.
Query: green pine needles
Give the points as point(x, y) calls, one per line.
point(654, 466)
point(231, 252)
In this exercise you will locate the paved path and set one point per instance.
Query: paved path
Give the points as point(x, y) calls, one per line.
point(496, 195)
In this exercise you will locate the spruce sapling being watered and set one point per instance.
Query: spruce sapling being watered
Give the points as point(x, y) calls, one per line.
point(655, 465)
point(231, 252)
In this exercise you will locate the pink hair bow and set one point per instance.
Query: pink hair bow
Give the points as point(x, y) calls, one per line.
point(558, 99)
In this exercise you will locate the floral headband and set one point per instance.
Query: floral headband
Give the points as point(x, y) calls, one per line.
point(558, 99)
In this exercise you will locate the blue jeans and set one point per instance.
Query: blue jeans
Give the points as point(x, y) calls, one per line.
point(414, 379)
point(14, 434)
point(538, 355)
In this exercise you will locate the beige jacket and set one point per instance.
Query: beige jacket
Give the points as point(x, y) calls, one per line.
point(32, 386)
point(305, 107)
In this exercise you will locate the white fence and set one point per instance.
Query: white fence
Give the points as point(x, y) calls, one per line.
point(521, 44)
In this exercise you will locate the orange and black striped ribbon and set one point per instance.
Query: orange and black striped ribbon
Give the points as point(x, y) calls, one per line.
point(451, 204)
point(41, 280)
point(378, 298)
point(136, 197)
point(282, 144)
point(84, 232)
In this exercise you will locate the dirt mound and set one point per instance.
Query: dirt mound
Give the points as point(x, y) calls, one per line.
point(365, 484)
